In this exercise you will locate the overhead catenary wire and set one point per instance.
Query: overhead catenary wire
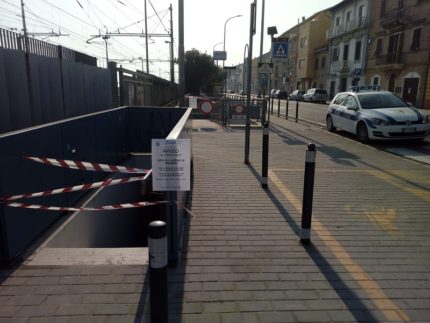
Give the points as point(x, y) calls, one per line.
point(89, 16)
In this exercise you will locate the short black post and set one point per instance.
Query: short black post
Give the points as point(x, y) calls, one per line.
point(279, 108)
point(271, 107)
point(265, 156)
point(297, 110)
point(157, 245)
point(308, 192)
point(264, 111)
point(286, 109)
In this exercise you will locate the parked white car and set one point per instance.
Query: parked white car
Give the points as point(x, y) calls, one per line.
point(316, 95)
point(376, 115)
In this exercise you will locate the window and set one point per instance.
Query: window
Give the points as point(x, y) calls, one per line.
point(337, 21)
point(383, 7)
point(416, 39)
point(335, 54)
point(394, 48)
point(400, 4)
point(303, 42)
point(340, 98)
point(316, 63)
point(302, 63)
point(323, 62)
point(357, 54)
point(348, 16)
point(361, 14)
point(350, 102)
point(345, 52)
point(378, 49)
point(375, 80)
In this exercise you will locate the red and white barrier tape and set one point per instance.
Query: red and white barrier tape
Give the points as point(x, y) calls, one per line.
point(75, 209)
point(75, 164)
point(82, 187)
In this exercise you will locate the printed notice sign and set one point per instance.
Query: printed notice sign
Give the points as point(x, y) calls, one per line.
point(171, 164)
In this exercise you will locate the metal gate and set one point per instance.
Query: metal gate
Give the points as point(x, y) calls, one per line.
point(233, 110)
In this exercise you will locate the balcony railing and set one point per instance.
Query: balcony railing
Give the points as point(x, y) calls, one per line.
point(350, 26)
point(395, 16)
point(340, 66)
point(389, 59)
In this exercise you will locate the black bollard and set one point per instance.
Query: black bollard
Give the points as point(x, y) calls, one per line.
point(271, 107)
point(297, 110)
point(279, 108)
point(157, 245)
point(308, 192)
point(265, 156)
point(286, 109)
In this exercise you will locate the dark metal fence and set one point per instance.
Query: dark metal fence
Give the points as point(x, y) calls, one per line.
point(12, 40)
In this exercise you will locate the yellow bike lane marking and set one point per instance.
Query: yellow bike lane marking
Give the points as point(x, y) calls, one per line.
point(390, 310)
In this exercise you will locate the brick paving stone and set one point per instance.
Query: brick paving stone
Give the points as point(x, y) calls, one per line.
point(205, 317)
point(35, 311)
point(75, 309)
point(221, 307)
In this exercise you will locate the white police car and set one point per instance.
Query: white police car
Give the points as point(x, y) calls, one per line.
point(372, 114)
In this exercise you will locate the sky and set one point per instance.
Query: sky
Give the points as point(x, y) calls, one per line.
point(80, 20)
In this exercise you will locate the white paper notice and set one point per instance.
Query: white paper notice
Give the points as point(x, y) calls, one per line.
point(171, 164)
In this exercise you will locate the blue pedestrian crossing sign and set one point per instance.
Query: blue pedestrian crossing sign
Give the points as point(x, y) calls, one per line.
point(280, 48)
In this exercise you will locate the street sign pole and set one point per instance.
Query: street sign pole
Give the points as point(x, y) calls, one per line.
point(248, 85)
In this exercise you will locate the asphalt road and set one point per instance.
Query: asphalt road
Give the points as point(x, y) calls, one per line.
point(315, 114)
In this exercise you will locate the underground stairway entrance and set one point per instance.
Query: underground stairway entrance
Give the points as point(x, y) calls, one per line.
point(104, 237)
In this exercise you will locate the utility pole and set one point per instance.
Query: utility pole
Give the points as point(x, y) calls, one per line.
point(252, 29)
point(24, 26)
point(181, 56)
point(146, 40)
point(260, 76)
point(105, 38)
point(172, 65)
point(27, 63)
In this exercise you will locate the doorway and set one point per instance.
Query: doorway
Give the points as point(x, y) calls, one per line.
point(332, 89)
point(343, 83)
point(392, 83)
point(410, 89)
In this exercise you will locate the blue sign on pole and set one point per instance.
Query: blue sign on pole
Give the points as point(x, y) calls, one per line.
point(280, 50)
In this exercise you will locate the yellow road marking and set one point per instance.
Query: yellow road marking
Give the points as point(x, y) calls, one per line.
point(384, 219)
point(421, 193)
point(375, 293)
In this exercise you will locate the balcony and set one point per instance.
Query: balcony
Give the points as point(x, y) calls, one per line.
point(390, 61)
point(395, 17)
point(350, 26)
point(340, 67)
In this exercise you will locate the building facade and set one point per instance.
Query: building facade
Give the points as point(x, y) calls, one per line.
point(311, 36)
point(348, 38)
point(320, 67)
point(399, 50)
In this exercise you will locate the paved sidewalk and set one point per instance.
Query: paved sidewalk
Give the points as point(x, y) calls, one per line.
point(242, 260)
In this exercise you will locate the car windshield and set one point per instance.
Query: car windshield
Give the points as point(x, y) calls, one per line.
point(380, 100)
point(321, 91)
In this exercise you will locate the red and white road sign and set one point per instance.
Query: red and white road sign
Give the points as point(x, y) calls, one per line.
point(206, 106)
point(239, 108)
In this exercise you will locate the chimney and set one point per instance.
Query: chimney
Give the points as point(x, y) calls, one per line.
point(303, 18)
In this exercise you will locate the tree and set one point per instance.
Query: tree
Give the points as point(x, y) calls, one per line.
point(201, 74)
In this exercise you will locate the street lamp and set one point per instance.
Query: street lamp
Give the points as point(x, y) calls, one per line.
point(244, 66)
point(225, 25)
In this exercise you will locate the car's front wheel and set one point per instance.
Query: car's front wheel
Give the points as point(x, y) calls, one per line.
point(329, 124)
point(362, 133)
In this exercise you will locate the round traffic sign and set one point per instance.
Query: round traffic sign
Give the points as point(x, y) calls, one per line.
point(206, 106)
point(239, 108)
